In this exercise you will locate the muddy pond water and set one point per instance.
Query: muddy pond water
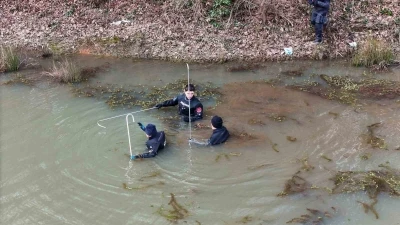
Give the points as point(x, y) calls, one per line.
point(59, 167)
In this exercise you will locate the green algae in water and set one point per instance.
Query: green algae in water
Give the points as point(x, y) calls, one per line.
point(306, 165)
point(151, 175)
point(349, 91)
point(325, 157)
point(290, 138)
point(243, 135)
point(365, 156)
point(278, 118)
point(295, 185)
point(342, 96)
point(293, 73)
point(143, 96)
point(256, 122)
point(274, 147)
point(372, 182)
point(18, 79)
point(246, 219)
point(314, 217)
point(177, 212)
point(370, 207)
point(242, 67)
point(373, 140)
point(226, 155)
point(259, 166)
point(335, 115)
point(126, 187)
point(345, 83)
point(200, 126)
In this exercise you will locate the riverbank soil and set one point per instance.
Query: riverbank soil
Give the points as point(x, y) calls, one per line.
point(197, 30)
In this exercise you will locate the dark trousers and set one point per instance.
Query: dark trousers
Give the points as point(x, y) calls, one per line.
point(318, 31)
point(147, 154)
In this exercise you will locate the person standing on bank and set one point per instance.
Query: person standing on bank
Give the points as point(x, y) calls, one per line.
point(183, 100)
point(156, 141)
point(319, 17)
point(219, 135)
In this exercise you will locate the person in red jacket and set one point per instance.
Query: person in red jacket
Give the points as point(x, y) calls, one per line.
point(188, 105)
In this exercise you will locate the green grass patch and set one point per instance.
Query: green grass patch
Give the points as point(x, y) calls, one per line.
point(9, 60)
point(373, 53)
point(66, 72)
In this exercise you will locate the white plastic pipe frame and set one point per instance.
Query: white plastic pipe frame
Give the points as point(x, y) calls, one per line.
point(127, 127)
point(190, 125)
point(109, 118)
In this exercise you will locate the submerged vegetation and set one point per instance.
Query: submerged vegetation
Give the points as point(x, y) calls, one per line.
point(349, 91)
point(226, 155)
point(177, 212)
point(19, 79)
point(291, 139)
point(246, 219)
point(259, 166)
point(144, 96)
point(372, 139)
point(373, 182)
point(240, 67)
point(242, 135)
point(143, 187)
point(314, 217)
point(326, 158)
point(306, 165)
point(294, 185)
point(278, 118)
point(368, 207)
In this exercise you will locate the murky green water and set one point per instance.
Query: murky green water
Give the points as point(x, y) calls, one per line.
point(59, 167)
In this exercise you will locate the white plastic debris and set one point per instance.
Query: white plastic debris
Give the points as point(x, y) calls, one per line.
point(288, 51)
point(119, 22)
point(353, 44)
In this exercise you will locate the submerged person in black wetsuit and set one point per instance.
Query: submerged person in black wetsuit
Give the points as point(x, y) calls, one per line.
point(184, 100)
point(155, 143)
point(219, 135)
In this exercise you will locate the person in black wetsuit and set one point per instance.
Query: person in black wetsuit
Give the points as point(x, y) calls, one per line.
point(156, 141)
point(219, 135)
point(319, 17)
point(183, 101)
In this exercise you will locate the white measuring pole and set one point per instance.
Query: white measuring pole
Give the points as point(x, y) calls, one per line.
point(190, 122)
point(127, 127)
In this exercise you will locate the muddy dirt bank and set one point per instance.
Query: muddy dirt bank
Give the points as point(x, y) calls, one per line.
point(174, 30)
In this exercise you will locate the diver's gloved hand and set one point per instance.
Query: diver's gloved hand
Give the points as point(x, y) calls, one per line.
point(133, 157)
point(141, 126)
point(159, 105)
